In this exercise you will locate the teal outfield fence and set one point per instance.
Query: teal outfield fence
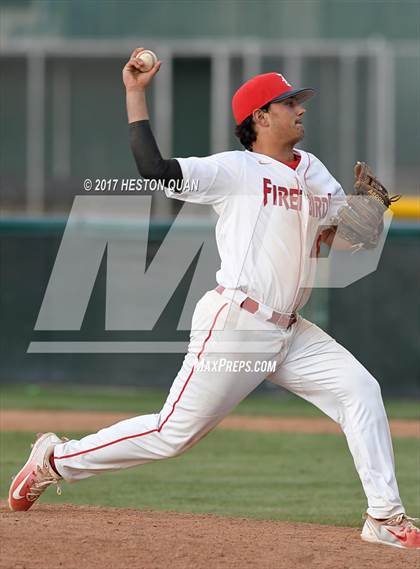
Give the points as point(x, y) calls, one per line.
point(375, 318)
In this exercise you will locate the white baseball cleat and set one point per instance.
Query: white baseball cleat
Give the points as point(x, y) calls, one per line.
point(398, 531)
point(36, 475)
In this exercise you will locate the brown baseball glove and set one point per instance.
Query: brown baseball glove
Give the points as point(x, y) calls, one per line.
point(360, 221)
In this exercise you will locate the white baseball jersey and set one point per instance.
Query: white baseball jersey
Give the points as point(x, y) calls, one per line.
point(269, 220)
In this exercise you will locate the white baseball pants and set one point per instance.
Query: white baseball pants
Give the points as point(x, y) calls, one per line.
point(309, 363)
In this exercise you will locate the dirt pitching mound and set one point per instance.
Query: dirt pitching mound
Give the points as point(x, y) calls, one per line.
point(70, 537)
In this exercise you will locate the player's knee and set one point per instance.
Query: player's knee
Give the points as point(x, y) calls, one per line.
point(363, 398)
point(375, 388)
point(371, 388)
point(180, 444)
point(361, 385)
point(175, 447)
point(372, 397)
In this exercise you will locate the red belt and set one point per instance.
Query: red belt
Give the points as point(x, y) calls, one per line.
point(252, 306)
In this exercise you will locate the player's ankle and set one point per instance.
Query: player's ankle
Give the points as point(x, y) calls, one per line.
point(52, 464)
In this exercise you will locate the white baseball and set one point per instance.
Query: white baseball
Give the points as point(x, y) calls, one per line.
point(148, 58)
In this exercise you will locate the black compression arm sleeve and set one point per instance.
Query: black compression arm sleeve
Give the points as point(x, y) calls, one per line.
point(150, 163)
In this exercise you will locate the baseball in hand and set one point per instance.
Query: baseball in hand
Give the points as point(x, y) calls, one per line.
point(148, 58)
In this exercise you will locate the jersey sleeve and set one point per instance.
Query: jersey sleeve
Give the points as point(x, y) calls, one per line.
point(207, 180)
point(321, 182)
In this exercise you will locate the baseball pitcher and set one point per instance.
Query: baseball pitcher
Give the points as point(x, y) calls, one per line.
point(275, 204)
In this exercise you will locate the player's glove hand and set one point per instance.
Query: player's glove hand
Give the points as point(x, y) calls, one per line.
point(360, 221)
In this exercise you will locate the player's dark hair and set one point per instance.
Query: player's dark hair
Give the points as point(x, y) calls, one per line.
point(246, 130)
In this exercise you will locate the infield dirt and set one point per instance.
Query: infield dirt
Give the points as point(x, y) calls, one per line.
point(74, 537)
point(35, 420)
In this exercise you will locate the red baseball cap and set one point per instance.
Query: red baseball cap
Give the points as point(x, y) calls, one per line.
point(261, 90)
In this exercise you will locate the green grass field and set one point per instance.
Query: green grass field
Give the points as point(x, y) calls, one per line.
point(280, 476)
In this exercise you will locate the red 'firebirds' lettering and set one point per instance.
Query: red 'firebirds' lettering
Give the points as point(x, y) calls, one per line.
point(267, 190)
point(291, 198)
